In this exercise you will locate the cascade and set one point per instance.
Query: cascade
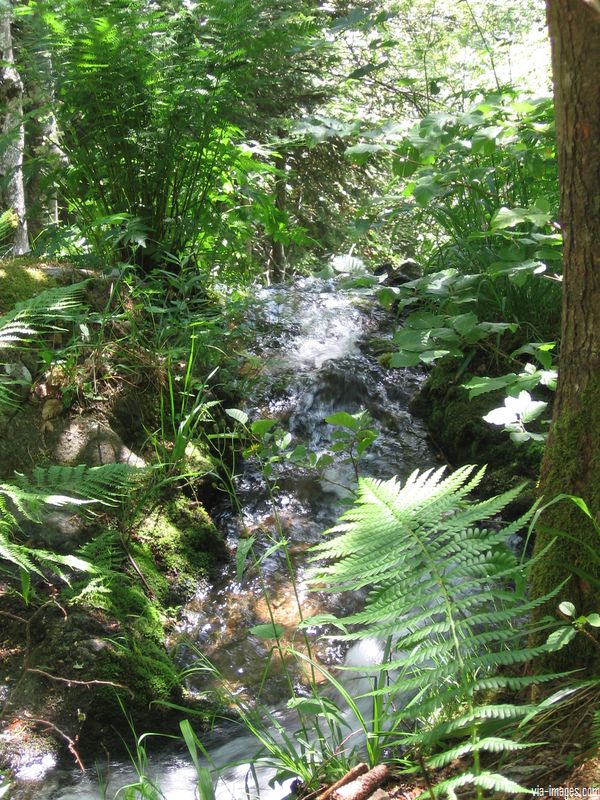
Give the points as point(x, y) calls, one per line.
point(312, 340)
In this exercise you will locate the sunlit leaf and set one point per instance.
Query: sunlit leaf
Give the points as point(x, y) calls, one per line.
point(267, 631)
point(237, 414)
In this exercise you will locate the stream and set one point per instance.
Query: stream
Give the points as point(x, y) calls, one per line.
point(313, 344)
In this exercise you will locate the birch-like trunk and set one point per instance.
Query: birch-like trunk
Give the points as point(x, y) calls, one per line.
point(13, 126)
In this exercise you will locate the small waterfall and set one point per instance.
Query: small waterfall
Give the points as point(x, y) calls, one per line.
point(313, 343)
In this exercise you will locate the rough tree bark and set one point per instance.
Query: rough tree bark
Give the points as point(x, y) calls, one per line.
point(571, 461)
point(13, 128)
point(278, 256)
point(43, 145)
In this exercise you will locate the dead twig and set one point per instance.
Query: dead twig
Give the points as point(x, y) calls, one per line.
point(71, 743)
point(73, 681)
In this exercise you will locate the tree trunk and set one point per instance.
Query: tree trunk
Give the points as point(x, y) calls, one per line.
point(43, 145)
point(278, 256)
point(571, 461)
point(13, 129)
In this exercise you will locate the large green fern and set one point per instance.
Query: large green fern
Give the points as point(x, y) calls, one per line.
point(79, 488)
point(448, 596)
point(47, 311)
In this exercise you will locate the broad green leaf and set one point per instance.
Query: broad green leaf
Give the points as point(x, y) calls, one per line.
point(298, 453)
point(508, 218)
point(533, 410)
point(478, 386)
point(518, 436)
point(406, 163)
point(501, 416)
point(267, 630)
point(323, 460)
point(284, 441)
point(425, 190)
point(561, 637)
point(404, 359)
point(342, 418)
point(261, 426)
point(593, 620)
point(429, 356)
point(424, 320)
point(388, 296)
point(411, 339)
point(464, 323)
point(237, 414)
point(567, 608)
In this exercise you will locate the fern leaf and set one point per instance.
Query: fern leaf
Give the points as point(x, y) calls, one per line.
point(491, 744)
point(486, 780)
point(30, 496)
point(41, 313)
point(75, 487)
point(448, 594)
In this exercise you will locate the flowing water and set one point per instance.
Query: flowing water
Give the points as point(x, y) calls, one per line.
point(312, 342)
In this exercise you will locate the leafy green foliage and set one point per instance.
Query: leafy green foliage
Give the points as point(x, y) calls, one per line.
point(484, 189)
point(449, 597)
point(77, 488)
point(158, 109)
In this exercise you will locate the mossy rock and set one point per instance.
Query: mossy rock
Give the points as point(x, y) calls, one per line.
point(183, 543)
point(132, 593)
point(21, 279)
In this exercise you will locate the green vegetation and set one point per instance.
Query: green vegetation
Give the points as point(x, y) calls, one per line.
point(161, 162)
point(21, 279)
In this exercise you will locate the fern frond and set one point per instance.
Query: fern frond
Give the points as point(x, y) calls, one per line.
point(490, 744)
point(46, 311)
point(448, 595)
point(485, 780)
point(73, 487)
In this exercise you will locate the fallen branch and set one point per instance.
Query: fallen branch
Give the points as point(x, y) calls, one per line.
point(363, 787)
point(72, 681)
point(351, 775)
point(71, 743)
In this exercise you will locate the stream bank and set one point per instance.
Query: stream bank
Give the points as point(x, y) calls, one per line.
point(311, 360)
point(76, 651)
point(311, 347)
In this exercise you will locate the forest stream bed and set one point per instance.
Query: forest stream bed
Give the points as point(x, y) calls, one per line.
point(313, 358)
point(311, 341)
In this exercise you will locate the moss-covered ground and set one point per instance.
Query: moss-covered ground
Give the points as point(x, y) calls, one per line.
point(20, 279)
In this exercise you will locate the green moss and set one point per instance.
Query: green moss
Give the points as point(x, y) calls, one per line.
point(572, 465)
point(167, 556)
point(196, 460)
point(20, 279)
point(182, 541)
point(134, 614)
